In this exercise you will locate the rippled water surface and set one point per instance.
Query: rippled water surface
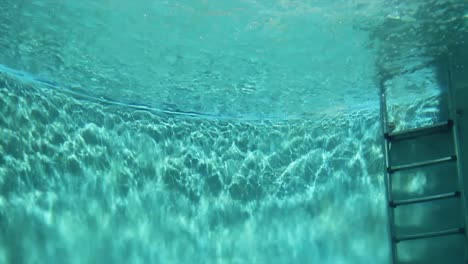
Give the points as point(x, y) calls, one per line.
point(231, 58)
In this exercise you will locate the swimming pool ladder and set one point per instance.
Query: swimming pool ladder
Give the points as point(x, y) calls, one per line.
point(450, 127)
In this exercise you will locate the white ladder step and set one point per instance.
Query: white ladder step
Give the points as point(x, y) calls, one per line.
point(396, 203)
point(393, 169)
point(430, 234)
point(420, 131)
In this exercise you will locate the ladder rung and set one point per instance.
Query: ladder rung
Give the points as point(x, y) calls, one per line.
point(394, 204)
point(420, 131)
point(421, 164)
point(430, 234)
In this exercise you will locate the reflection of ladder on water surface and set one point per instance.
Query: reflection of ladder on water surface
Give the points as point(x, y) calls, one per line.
point(400, 144)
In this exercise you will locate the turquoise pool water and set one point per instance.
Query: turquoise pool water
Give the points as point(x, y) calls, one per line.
point(207, 132)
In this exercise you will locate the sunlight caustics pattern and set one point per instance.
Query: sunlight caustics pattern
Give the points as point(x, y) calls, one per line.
point(211, 131)
point(82, 177)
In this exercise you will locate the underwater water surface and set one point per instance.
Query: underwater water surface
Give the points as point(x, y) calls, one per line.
point(242, 59)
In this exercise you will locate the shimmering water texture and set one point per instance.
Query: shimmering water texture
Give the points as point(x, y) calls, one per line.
point(279, 58)
point(272, 153)
point(87, 183)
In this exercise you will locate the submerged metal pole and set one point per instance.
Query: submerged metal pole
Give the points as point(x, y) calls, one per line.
point(456, 138)
point(388, 182)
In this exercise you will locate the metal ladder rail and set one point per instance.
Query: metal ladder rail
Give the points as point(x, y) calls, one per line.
point(388, 182)
point(456, 142)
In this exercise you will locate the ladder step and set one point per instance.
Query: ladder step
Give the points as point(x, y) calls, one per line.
point(430, 234)
point(394, 204)
point(421, 164)
point(420, 131)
